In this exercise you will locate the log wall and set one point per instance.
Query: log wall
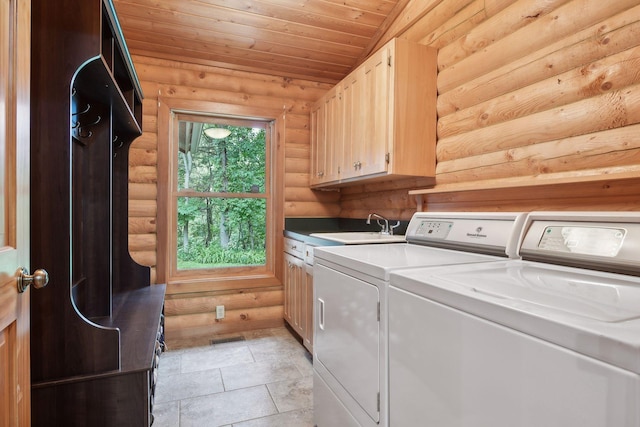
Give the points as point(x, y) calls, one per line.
point(538, 100)
point(531, 93)
point(190, 309)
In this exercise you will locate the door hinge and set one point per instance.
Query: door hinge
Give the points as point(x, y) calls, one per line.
point(389, 60)
point(378, 401)
point(378, 311)
point(387, 157)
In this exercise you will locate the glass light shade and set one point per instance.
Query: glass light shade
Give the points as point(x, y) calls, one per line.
point(217, 133)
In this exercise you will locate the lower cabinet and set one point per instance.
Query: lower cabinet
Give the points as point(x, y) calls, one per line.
point(298, 291)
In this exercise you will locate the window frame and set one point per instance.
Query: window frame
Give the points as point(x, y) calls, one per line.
point(169, 113)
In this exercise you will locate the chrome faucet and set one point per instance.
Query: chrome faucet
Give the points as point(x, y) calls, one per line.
point(385, 226)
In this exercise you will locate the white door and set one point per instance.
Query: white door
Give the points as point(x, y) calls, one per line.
point(15, 385)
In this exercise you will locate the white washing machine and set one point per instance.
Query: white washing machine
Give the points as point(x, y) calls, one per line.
point(350, 313)
point(551, 340)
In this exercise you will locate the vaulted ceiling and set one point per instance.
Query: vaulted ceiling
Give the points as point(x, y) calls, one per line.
point(320, 40)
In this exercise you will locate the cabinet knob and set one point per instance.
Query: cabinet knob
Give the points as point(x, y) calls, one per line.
point(39, 279)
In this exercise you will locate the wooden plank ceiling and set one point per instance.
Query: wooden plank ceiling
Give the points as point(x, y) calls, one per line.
point(319, 40)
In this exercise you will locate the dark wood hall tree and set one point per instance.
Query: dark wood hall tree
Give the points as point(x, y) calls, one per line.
point(95, 327)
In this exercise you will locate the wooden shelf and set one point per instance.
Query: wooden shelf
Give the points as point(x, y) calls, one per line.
point(553, 179)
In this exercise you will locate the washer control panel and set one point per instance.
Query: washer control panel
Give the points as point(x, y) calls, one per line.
point(600, 240)
point(597, 241)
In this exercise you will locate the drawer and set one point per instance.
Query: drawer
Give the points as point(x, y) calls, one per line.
point(294, 247)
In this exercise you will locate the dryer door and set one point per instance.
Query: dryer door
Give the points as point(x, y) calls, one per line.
point(347, 335)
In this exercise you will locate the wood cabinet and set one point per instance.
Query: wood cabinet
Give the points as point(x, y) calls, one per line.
point(326, 124)
point(298, 291)
point(95, 328)
point(385, 124)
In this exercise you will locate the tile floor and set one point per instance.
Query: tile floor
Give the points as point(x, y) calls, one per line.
point(263, 381)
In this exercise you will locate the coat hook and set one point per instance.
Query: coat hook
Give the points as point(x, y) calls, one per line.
point(86, 110)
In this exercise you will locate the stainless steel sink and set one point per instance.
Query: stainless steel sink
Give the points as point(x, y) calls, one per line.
point(359, 237)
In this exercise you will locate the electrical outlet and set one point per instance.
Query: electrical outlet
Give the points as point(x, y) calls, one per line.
point(219, 311)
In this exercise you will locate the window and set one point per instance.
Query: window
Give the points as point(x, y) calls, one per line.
point(220, 195)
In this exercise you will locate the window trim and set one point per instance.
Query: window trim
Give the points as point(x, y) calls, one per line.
point(167, 272)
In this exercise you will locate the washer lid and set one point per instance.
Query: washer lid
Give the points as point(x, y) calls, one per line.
point(379, 260)
point(594, 313)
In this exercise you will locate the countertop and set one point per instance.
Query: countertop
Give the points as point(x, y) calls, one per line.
point(301, 228)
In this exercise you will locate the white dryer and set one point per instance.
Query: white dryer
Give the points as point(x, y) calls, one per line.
point(550, 340)
point(350, 313)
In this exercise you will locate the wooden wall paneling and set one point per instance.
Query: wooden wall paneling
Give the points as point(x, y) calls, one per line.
point(142, 242)
point(297, 151)
point(207, 285)
point(181, 322)
point(181, 332)
point(390, 204)
point(235, 98)
point(412, 13)
point(518, 15)
point(191, 304)
point(311, 209)
point(149, 123)
point(189, 75)
point(143, 157)
point(297, 164)
point(172, 80)
point(305, 194)
point(564, 21)
point(142, 208)
point(296, 180)
point(613, 148)
point(296, 135)
point(444, 25)
point(609, 110)
point(614, 72)
point(142, 225)
point(146, 141)
point(297, 123)
point(607, 194)
point(145, 258)
point(143, 190)
point(613, 35)
point(143, 174)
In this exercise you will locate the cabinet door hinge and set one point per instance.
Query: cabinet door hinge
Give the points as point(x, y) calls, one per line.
point(387, 157)
point(389, 60)
point(378, 311)
point(378, 401)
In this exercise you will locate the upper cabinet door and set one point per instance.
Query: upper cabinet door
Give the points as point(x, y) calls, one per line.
point(15, 387)
point(377, 114)
point(354, 132)
point(380, 120)
point(333, 134)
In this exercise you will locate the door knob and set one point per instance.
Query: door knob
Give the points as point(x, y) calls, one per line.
point(38, 279)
